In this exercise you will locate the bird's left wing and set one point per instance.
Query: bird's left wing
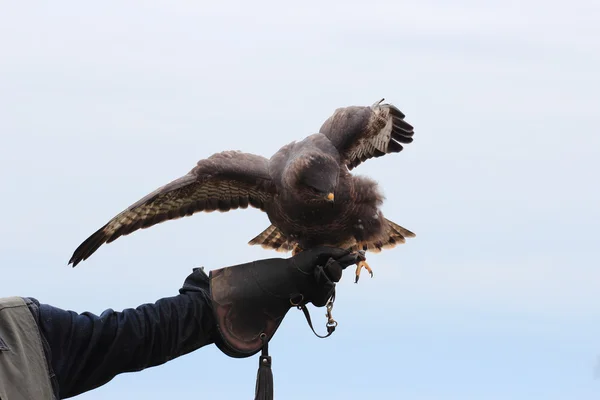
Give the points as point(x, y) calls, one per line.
point(223, 182)
point(360, 133)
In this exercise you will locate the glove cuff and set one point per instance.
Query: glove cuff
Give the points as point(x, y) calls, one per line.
point(247, 307)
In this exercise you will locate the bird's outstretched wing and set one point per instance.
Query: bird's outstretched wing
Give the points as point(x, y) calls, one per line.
point(223, 182)
point(360, 133)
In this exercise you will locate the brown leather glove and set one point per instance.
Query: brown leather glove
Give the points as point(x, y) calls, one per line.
point(252, 299)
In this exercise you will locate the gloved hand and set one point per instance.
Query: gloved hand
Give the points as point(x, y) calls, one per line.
point(252, 299)
point(326, 265)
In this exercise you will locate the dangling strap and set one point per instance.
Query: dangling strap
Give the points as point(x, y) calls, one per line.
point(331, 323)
point(264, 377)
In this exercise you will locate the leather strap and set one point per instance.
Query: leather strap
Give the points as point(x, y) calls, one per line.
point(331, 323)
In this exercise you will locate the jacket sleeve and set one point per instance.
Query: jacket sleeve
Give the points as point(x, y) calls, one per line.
point(87, 351)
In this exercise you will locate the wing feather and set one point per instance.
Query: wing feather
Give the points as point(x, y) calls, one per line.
point(361, 133)
point(225, 181)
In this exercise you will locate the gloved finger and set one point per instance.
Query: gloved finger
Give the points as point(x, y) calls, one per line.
point(347, 260)
point(324, 253)
point(333, 270)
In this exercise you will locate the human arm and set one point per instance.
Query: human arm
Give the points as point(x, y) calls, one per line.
point(87, 350)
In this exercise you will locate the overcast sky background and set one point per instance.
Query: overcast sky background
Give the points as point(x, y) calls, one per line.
point(496, 298)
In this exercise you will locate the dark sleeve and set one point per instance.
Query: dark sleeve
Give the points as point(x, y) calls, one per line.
point(87, 350)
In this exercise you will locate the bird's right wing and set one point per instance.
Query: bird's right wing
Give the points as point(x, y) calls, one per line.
point(362, 133)
point(223, 182)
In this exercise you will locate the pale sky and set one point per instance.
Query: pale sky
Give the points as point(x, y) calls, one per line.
point(496, 298)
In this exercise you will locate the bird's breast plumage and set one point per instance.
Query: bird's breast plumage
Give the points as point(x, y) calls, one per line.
point(354, 215)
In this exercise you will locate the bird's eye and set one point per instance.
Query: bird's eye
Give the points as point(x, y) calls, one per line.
point(314, 190)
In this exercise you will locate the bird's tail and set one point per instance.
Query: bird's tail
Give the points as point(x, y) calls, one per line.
point(396, 231)
point(393, 236)
point(272, 238)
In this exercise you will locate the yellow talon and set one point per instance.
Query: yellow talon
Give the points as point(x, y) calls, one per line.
point(360, 265)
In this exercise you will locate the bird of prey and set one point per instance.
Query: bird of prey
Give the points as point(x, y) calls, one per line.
point(306, 189)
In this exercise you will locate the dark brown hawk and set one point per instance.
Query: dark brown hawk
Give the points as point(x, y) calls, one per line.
point(305, 189)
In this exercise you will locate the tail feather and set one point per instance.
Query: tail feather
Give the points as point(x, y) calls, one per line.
point(272, 238)
point(396, 230)
point(393, 236)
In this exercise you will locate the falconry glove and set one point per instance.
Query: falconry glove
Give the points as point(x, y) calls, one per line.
point(250, 300)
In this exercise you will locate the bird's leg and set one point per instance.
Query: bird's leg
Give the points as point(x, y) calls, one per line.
point(296, 250)
point(362, 264)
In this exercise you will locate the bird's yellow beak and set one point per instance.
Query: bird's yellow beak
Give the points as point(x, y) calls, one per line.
point(330, 197)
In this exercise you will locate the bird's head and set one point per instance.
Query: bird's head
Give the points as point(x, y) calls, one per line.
point(316, 178)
